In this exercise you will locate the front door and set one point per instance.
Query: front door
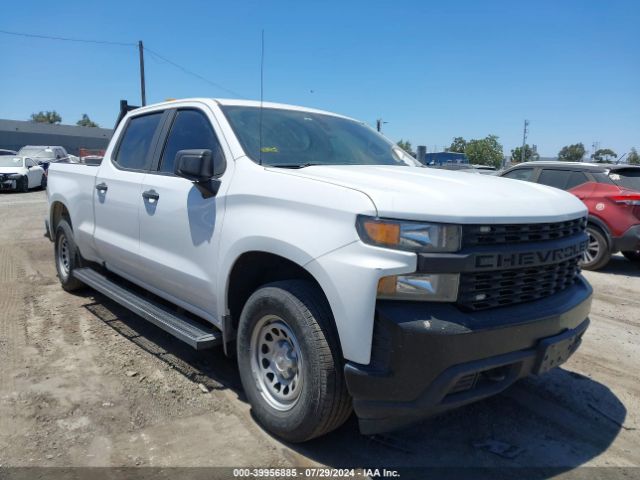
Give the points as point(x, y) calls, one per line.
point(118, 197)
point(177, 241)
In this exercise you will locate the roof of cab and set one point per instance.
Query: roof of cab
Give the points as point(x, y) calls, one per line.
point(245, 103)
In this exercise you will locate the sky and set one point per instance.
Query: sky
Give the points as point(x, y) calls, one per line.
point(433, 70)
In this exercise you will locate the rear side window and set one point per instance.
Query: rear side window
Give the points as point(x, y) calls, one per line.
point(520, 174)
point(191, 130)
point(555, 178)
point(575, 179)
point(133, 152)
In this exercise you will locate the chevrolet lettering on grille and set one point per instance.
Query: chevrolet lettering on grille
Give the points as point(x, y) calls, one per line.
point(524, 259)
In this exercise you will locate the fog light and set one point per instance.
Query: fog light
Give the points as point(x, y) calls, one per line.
point(420, 287)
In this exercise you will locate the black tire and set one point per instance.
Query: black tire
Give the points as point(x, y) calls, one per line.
point(67, 257)
point(322, 403)
point(43, 182)
point(24, 184)
point(633, 255)
point(598, 253)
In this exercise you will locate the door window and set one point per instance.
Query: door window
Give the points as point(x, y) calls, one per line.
point(191, 130)
point(520, 174)
point(30, 163)
point(133, 151)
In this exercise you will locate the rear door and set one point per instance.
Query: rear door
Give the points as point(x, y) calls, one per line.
point(177, 241)
point(117, 194)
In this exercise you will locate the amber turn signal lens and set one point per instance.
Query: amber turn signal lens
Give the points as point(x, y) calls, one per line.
point(387, 286)
point(383, 233)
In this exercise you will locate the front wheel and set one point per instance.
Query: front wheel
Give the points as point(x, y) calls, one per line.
point(43, 182)
point(633, 255)
point(24, 184)
point(597, 254)
point(67, 257)
point(290, 361)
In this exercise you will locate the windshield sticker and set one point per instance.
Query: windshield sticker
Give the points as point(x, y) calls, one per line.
point(269, 149)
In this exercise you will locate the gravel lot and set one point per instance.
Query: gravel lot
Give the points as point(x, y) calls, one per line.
point(85, 383)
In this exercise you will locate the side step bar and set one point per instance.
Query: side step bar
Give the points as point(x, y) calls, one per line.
point(198, 336)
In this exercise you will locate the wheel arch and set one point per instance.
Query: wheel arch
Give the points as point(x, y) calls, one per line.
point(255, 268)
point(597, 222)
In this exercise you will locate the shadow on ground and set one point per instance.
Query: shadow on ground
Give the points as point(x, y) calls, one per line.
point(619, 265)
point(540, 427)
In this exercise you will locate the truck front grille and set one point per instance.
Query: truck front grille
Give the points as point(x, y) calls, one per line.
point(480, 291)
point(474, 235)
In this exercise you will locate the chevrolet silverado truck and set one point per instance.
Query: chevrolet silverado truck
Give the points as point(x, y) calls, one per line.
point(342, 274)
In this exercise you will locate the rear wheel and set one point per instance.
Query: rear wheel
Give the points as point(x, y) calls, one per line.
point(633, 255)
point(597, 254)
point(67, 257)
point(290, 362)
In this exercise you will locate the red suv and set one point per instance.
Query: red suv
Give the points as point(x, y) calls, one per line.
point(610, 192)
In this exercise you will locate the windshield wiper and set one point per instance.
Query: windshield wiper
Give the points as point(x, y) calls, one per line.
point(293, 165)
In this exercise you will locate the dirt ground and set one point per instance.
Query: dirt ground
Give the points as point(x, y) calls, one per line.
point(85, 383)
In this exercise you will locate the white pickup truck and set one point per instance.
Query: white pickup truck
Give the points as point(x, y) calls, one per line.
point(343, 274)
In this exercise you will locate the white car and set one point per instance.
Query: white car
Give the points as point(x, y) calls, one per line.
point(22, 174)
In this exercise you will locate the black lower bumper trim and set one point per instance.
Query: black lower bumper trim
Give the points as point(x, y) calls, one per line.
point(629, 241)
point(428, 358)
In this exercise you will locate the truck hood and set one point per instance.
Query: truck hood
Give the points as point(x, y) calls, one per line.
point(415, 193)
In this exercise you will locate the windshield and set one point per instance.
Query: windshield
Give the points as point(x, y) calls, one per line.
point(11, 162)
point(293, 139)
point(37, 152)
point(626, 178)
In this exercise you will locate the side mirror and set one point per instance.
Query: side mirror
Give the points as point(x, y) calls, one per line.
point(201, 167)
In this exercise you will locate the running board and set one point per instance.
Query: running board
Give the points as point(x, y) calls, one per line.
point(197, 336)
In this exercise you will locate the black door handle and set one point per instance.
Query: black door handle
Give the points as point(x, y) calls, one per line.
point(102, 187)
point(150, 195)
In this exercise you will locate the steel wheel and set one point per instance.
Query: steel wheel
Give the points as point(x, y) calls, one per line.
point(276, 362)
point(593, 249)
point(63, 257)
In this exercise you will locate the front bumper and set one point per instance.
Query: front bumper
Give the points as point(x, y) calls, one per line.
point(8, 184)
point(428, 357)
point(629, 241)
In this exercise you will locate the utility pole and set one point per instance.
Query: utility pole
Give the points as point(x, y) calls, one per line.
point(142, 86)
point(524, 139)
point(379, 124)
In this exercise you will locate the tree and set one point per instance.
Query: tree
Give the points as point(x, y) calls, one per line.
point(485, 151)
point(85, 121)
point(406, 146)
point(572, 153)
point(633, 158)
point(458, 145)
point(604, 155)
point(46, 117)
point(529, 154)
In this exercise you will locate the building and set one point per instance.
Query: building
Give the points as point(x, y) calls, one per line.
point(15, 134)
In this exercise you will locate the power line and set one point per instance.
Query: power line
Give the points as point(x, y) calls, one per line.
point(66, 39)
point(189, 72)
point(124, 44)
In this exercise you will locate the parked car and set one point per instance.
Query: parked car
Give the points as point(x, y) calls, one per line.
point(610, 192)
point(336, 269)
point(44, 155)
point(17, 173)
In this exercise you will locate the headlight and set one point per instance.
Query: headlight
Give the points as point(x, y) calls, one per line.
point(441, 287)
point(412, 236)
